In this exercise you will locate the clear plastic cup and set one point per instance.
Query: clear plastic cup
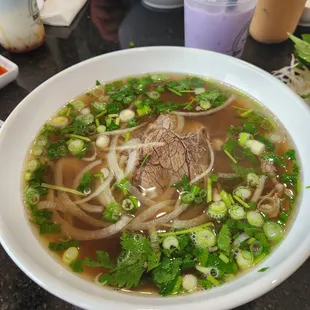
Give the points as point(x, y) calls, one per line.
point(218, 25)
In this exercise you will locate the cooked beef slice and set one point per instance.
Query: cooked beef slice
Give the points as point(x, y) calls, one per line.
point(181, 154)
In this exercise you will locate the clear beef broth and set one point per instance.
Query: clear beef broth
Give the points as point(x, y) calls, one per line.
point(217, 126)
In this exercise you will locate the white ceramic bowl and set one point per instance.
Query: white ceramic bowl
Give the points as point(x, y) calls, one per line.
point(164, 4)
point(25, 121)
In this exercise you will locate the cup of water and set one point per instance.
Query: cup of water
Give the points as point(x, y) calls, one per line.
point(218, 25)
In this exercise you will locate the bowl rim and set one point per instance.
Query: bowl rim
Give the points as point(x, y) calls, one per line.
point(76, 297)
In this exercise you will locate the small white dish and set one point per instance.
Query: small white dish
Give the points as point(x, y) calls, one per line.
point(164, 4)
point(11, 74)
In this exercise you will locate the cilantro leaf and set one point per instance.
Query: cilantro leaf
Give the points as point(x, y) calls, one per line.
point(77, 266)
point(64, 245)
point(274, 158)
point(214, 96)
point(113, 212)
point(132, 261)
point(103, 260)
point(224, 240)
point(290, 155)
point(85, 182)
point(57, 149)
point(167, 271)
point(216, 262)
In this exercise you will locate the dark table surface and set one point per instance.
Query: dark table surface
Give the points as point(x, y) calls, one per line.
point(101, 27)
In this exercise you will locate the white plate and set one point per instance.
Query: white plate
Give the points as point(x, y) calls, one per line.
point(12, 73)
point(25, 121)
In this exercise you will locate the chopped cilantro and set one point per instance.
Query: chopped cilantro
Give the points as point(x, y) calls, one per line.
point(102, 260)
point(85, 182)
point(98, 83)
point(133, 123)
point(224, 240)
point(77, 266)
point(263, 269)
point(57, 149)
point(131, 263)
point(290, 155)
point(214, 96)
point(64, 245)
point(274, 158)
point(113, 212)
point(122, 185)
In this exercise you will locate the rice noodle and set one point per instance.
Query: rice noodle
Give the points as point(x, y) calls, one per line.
point(89, 167)
point(201, 219)
point(91, 208)
point(81, 234)
point(112, 161)
point(51, 205)
point(222, 175)
point(131, 163)
point(180, 125)
point(259, 189)
point(98, 190)
point(206, 172)
point(135, 192)
point(93, 157)
point(150, 212)
point(105, 197)
point(126, 147)
point(161, 220)
point(208, 112)
point(120, 131)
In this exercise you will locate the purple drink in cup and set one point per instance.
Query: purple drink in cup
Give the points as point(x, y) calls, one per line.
point(218, 25)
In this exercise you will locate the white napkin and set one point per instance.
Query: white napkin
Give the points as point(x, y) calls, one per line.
point(60, 12)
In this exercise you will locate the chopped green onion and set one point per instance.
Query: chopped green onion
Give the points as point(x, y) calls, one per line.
point(101, 128)
point(76, 146)
point(243, 203)
point(170, 242)
point(174, 91)
point(32, 165)
point(27, 176)
point(224, 258)
point(236, 212)
point(252, 179)
point(129, 205)
point(256, 248)
point(187, 197)
point(244, 137)
point(205, 105)
point(204, 239)
point(255, 218)
point(230, 156)
point(259, 258)
point(225, 198)
point(273, 231)
point(203, 193)
point(72, 136)
point(37, 150)
point(78, 105)
point(99, 106)
point(59, 121)
point(256, 147)
point(242, 192)
point(145, 160)
point(251, 240)
point(153, 94)
point(246, 113)
point(209, 190)
point(185, 231)
point(195, 190)
point(101, 114)
point(189, 282)
point(217, 210)
point(244, 259)
point(213, 280)
point(62, 189)
point(70, 255)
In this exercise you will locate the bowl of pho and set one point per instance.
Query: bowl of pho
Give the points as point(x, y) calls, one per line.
point(159, 178)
